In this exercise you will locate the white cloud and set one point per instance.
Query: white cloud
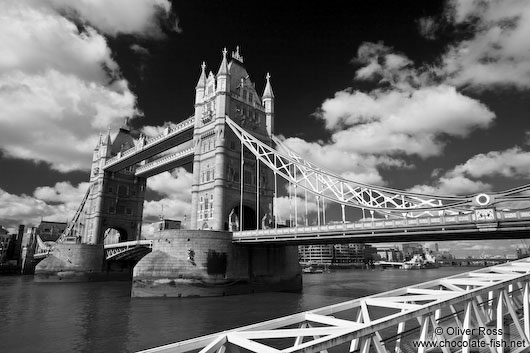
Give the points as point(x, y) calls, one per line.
point(511, 163)
point(498, 52)
point(51, 203)
point(285, 209)
point(175, 188)
point(113, 17)
point(62, 192)
point(452, 185)
point(464, 178)
point(59, 85)
point(55, 117)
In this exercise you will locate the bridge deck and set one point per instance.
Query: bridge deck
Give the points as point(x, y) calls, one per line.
point(443, 310)
point(508, 224)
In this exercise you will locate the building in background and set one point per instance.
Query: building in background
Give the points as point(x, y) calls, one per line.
point(355, 254)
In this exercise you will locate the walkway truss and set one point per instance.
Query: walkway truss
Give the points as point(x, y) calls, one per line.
point(488, 308)
point(389, 202)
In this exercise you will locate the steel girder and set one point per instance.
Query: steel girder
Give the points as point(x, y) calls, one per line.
point(333, 187)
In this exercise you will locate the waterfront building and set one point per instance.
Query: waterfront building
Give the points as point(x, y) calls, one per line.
point(411, 249)
point(390, 254)
point(327, 254)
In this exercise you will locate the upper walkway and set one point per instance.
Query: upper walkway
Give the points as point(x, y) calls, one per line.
point(506, 224)
point(171, 137)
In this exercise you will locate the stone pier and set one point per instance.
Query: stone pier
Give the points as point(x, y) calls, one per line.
point(197, 263)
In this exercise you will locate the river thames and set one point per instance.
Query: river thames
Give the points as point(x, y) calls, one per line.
point(102, 317)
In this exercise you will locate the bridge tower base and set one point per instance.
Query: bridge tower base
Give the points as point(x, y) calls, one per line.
point(200, 263)
point(72, 263)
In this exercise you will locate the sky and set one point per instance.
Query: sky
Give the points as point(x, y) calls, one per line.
point(428, 96)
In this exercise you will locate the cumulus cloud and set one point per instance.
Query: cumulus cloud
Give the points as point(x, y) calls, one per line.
point(176, 196)
point(51, 203)
point(512, 163)
point(137, 17)
point(59, 85)
point(465, 178)
point(42, 114)
point(452, 185)
point(410, 112)
point(498, 50)
point(285, 208)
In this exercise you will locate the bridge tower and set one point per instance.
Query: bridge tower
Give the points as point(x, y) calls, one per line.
point(115, 199)
point(218, 173)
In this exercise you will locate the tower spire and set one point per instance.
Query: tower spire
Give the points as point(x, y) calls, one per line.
point(223, 69)
point(202, 79)
point(237, 56)
point(108, 141)
point(267, 93)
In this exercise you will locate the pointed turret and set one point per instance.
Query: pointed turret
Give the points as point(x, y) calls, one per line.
point(202, 79)
point(223, 68)
point(223, 82)
point(108, 140)
point(237, 56)
point(268, 102)
point(267, 93)
point(201, 85)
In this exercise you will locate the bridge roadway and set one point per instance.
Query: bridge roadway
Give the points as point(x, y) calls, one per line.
point(487, 308)
point(507, 225)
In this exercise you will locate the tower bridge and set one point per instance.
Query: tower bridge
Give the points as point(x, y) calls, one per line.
point(236, 242)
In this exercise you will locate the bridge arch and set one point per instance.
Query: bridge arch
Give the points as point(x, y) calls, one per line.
point(113, 235)
point(249, 218)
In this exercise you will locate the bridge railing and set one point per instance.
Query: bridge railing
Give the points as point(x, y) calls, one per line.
point(112, 250)
point(386, 224)
point(168, 132)
point(489, 307)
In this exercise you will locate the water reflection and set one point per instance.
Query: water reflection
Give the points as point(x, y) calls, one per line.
point(101, 317)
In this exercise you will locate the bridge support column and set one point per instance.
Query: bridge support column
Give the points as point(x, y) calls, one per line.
point(72, 262)
point(187, 263)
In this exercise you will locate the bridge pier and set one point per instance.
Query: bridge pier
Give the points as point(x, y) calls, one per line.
point(197, 263)
point(72, 262)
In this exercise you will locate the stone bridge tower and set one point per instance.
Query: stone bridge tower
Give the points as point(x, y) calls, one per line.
point(216, 195)
point(115, 200)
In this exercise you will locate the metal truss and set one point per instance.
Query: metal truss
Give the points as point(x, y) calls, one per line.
point(120, 250)
point(488, 308)
point(42, 249)
point(388, 201)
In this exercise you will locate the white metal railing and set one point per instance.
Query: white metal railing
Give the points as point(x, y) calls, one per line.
point(111, 250)
point(168, 132)
point(440, 313)
point(386, 224)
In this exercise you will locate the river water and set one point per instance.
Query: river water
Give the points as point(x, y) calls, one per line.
point(102, 317)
